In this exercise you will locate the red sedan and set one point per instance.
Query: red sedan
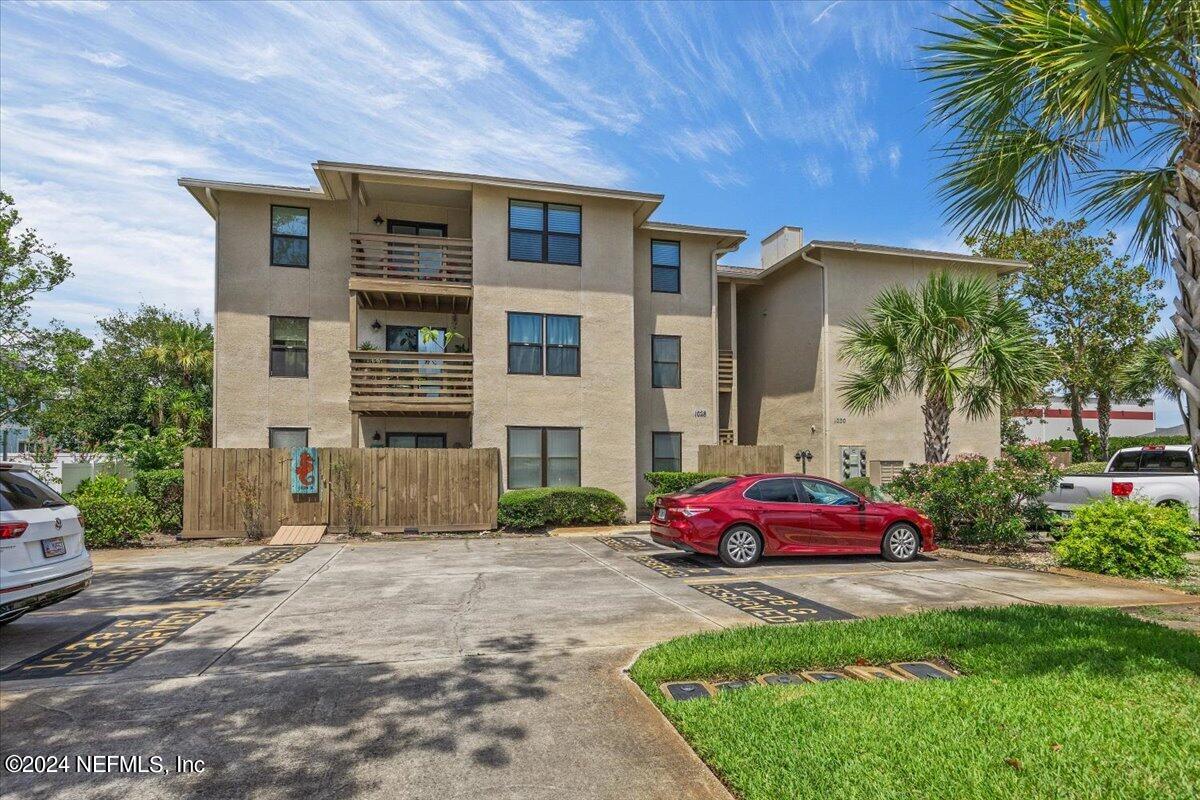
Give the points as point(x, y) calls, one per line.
point(744, 517)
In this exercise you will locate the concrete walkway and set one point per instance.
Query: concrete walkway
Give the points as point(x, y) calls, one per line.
point(440, 669)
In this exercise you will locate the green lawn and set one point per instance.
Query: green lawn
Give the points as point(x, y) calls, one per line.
point(1057, 703)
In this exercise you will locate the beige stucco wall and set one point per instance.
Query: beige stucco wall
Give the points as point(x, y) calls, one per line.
point(781, 377)
point(601, 400)
point(688, 315)
point(248, 291)
point(780, 381)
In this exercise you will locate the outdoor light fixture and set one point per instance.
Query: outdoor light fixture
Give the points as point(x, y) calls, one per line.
point(375, 325)
point(375, 438)
point(378, 220)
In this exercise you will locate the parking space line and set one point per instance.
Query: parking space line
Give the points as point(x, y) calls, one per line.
point(650, 589)
point(278, 605)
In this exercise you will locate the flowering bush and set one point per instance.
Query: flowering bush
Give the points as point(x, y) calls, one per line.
point(973, 502)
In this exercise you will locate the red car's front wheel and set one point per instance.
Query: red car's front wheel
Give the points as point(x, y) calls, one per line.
point(902, 542)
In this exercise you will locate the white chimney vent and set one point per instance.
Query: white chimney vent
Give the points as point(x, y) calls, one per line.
point(781, 244)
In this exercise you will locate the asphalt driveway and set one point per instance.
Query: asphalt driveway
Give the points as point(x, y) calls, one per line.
point(437, 669)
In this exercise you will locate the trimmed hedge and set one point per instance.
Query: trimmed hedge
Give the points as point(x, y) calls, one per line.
point(1086, 468)
point(671, 482)
point(1129, 538)
point(164, 489)
point(1115, 443)
point(861, 485)
point(113, 516)
point(526, 509)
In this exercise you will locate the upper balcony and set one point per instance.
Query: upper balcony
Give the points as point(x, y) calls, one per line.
point(420, 273)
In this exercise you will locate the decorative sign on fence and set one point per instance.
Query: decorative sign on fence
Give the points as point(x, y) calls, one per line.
point(304, 470)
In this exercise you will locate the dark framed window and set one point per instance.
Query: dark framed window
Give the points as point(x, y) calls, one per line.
point(664, 362)
point(549, 233)
point(287, 438)
point(666, 451)
point(664, 266)
point(543, 344)
point(401, 338)
point(417, 440)
point(289, 347)
point(404, 227)
point(543, 457)
point(289, 236)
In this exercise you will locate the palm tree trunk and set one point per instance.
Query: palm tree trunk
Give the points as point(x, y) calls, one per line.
point(937, 429)
point(1103, 421)
point(1077, 426)
point(1186, 264)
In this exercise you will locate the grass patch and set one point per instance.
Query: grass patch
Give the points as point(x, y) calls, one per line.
point(1057, 703)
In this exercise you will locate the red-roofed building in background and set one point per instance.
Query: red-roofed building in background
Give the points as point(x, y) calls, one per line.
point(1053, 420)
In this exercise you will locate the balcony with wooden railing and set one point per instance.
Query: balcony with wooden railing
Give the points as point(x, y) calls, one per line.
point(725, 370)
point(386, 382)
point(421, 273)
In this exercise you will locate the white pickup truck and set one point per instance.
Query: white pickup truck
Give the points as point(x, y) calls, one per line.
point(1162, 474)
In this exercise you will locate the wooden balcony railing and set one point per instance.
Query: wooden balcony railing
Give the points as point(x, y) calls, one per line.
point(725, 370)
point(395, 382)
point(434, 261)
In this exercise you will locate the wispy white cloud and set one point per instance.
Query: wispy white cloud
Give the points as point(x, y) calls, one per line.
point(816, 171)
point(893, 157)
point(112, 60)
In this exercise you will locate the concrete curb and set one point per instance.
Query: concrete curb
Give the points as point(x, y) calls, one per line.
point(1112, 580)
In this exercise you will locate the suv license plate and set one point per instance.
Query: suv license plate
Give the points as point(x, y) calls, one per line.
point(54, 547)
point(660, 514)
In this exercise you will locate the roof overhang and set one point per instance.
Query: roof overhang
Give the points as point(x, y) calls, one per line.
point(726, 238)
point(1002, 266)
point(203, 190)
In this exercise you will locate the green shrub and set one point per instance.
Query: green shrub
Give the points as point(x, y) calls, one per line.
point(1115, 443)
point(973, 502)
point(1129, 538)
point(526, 509)
point(1086, 468)
point(861, 485)
point(164, 489)
point(113, 516)
point(671, 482)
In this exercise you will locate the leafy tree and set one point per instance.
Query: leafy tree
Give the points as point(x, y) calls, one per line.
point(151, 371)
point(1094, 310)
point(36, 364)
point(1043, 95)
point(956, 342)
point(1148, 372)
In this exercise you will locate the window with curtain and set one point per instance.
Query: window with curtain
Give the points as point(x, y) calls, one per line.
point(525, 344)
point(664, 266)
point(289, 347)
point(287, 438)
point(667, 452)
point(543, 344)
point(289, 236)
point(543, 457)
point(562, 345)
point(664, 362)
point(544, 232)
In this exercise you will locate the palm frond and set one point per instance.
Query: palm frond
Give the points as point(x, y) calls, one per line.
point(1115, 195)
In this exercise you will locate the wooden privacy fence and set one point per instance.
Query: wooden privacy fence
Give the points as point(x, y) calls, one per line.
point(734, 459)
point(401, 489)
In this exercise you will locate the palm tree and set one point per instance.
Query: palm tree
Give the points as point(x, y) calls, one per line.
point(1098, 101)
point(958, 343)
point(1149, 372)
point(187, 349)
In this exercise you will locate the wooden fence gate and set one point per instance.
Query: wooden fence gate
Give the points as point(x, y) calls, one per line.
point(733, 459)
point(401, 489)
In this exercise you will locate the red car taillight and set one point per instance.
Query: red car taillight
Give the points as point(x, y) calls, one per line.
point(11, 530)
point(1122, 488)
point(684, 512)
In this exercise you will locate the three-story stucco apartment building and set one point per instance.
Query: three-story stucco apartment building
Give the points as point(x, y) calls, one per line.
point(394, 307)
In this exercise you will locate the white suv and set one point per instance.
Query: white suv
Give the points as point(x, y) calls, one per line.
point(42, 556)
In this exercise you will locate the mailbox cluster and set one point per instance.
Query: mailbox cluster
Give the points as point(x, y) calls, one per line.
point(900, 671)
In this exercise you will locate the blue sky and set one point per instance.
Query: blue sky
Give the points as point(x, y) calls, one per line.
point(744, 115)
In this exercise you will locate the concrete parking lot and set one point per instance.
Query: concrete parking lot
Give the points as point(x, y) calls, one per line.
point(420, 669)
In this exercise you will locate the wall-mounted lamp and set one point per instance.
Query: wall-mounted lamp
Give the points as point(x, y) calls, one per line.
point(378, 220)
point(375, 325)
point(376, 437)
